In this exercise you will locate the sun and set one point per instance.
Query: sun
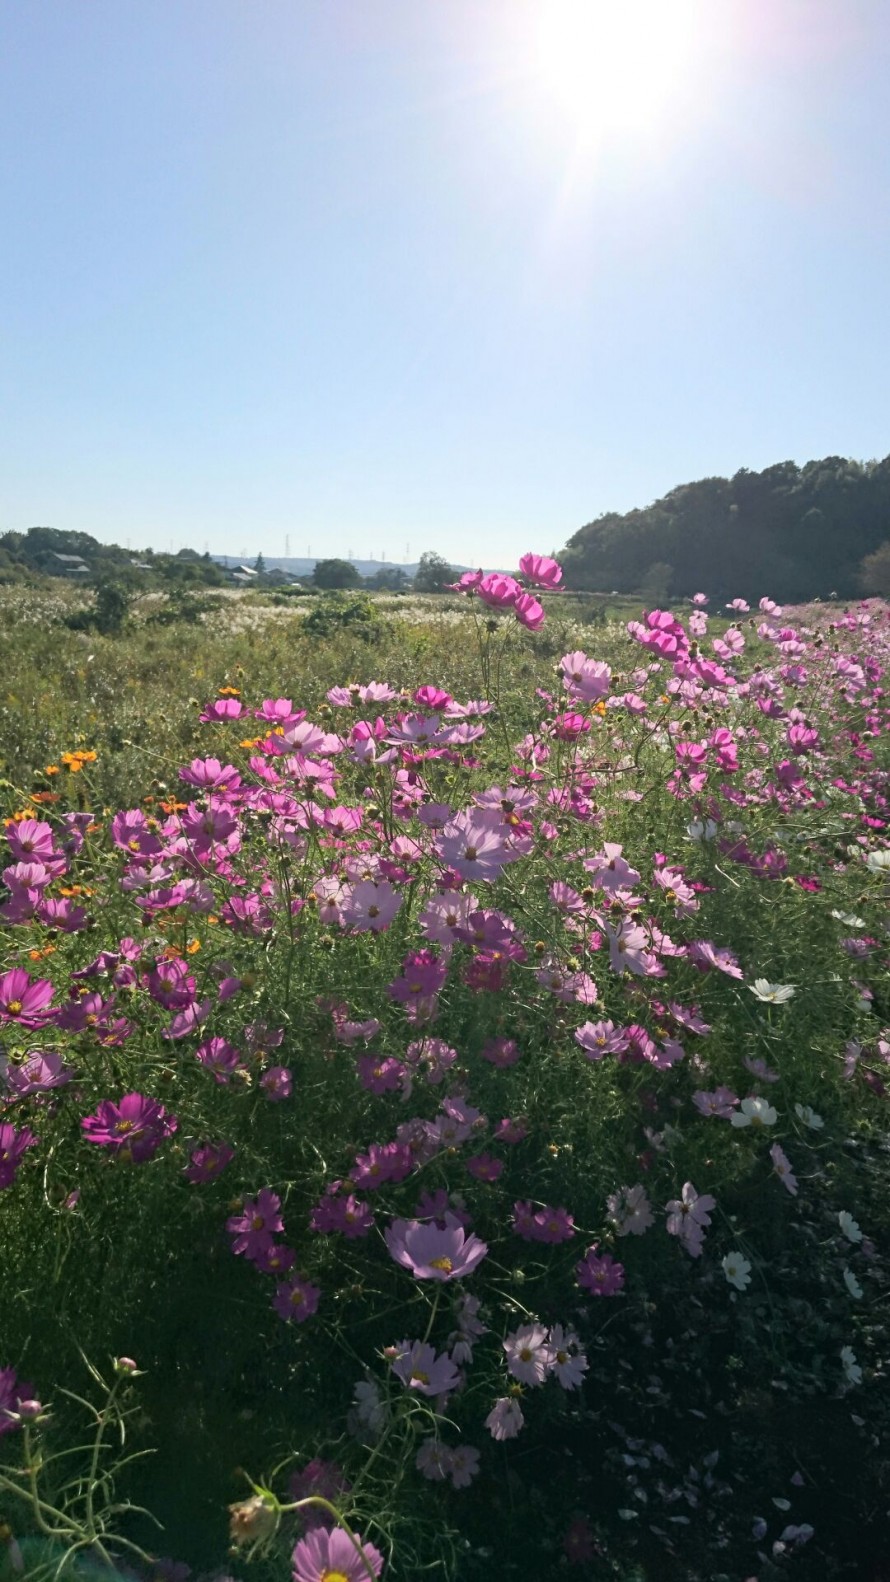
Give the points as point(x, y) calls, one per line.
point(615, 64)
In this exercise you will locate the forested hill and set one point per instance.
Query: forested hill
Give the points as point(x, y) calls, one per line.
point(792, 532)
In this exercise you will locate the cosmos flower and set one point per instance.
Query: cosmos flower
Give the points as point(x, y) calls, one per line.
point(331, 1556)
point(737, 1270)
point(434, 1253)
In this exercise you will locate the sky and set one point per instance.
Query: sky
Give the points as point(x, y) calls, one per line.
point(375, 277)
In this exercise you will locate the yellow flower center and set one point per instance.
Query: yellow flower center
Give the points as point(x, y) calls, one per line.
point(334, 1576)
point(14, 1007)
point(420, 1378)
point(444, 1264)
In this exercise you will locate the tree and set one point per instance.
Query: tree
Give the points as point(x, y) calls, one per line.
point(874, 573)
point(259, 564)
point(389, 579)
point(433, 574)
point(335, 574)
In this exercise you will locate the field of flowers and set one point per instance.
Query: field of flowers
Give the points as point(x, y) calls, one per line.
point(443, 1093)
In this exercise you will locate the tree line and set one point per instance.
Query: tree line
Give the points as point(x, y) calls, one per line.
point(794, 532)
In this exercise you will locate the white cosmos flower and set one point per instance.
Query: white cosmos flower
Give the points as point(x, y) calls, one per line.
point(737, 1270)
point(849, 919)
point(850, 1365)
point(754, 1112)
point(879, 862)
point(848, 1226)
point(852, 1284)
point(809, 1117)
point(772, 993)
point(701, 829)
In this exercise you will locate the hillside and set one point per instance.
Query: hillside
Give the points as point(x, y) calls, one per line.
point(795, 532)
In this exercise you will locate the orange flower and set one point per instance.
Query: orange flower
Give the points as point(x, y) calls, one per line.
point(44, 796)
point(252, 741)
point(229, 692)
point(51, 769)
point(192, 947)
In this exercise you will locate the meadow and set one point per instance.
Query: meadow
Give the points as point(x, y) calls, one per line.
point(443, 1089)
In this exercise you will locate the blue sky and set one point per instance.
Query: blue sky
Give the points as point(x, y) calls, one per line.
point(365, 274)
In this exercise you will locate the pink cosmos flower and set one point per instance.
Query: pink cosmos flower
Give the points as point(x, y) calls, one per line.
point(370, 906)
point(569, 1363)
point(783, 1169)
point(505, 1419)
point(500, 1052)
point(379, 1075)
point(704, 954)
point(687, 1217)
point(221, 709)
point(296, 1299)
point(318, 1477)
point(277, 1084)
point(37, 1073)
point(721, 1102)
point(219, 1057)
point(601, 1038)
point(23, 1001)
point(475, 845)
point(498, 590)
point(599, 1274)
point(14, 1394)
point(529, 1354)
point(331, 1556)
point(434, 1253)
point(207, 1162)
point(134, 1128)
point(383, 1162)
point(529, 613)
point(545, 1224)
point(418, 1367)
point(346, 1216)
point(484, 1167)
point(12, 1148)
point(258, 1221)
point(541, 570)
point(630, 1211)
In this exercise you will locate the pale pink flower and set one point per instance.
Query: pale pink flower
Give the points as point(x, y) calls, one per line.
point(529, 1354)
point(505, 1418)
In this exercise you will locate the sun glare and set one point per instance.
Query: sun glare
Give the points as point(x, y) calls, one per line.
point(615, 64)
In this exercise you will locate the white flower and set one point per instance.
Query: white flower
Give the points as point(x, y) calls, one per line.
point(809, 1117)
point(852, 1284)
point(849, 919)
point(737, 1270)
point(879, 862)
point(850, 1365)
point(772, 993)
point(848, 1226)
point(700, 829)
point(754, 1112)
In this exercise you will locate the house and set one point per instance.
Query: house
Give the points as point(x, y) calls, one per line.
point(69, 565)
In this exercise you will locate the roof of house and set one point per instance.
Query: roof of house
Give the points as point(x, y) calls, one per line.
point(69, 560)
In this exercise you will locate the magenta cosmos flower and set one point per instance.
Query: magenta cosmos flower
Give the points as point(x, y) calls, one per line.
point(23, 1001)
point(14, 1395)
point(324, 1556)
point(12, 1148)
point(434, 1253)
point(134, 1128)
point(541, 570)
point(296, 1299)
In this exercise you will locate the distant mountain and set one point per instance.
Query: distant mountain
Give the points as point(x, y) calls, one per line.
point(302, 566)
point(791, 532)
